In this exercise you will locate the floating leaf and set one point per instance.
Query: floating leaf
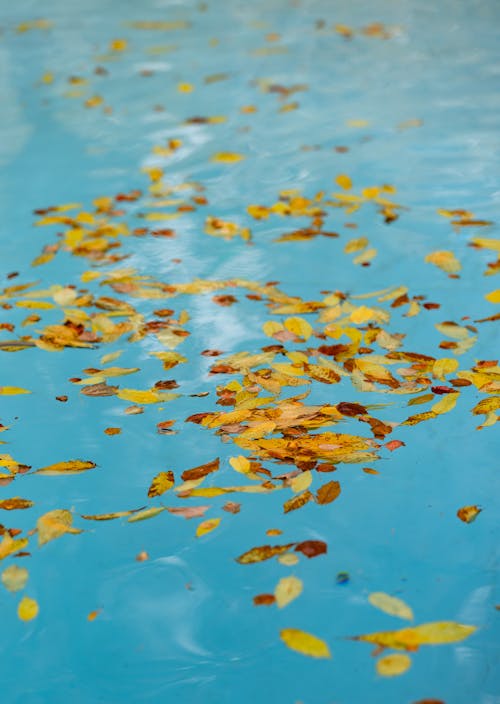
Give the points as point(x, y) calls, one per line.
point(227, 157)
point(110, 516)
point(265, 552)
point(15, 503)
point(493, 296)
point(54, 524)
point(201, 471)
point(147, 513)
point(161, 483)
point(391, 605)
point(9, 545)
point(287, 589)
point(445, 260)
point(27, 609)
point(297, 501)
point(436, 633)
point(393, 665)
point(14, 578)
point(328, 493)
point(468, 514)
point(305, 643)
point(207, 526)
point(69, 467)
point(12, 390)
point(312, 548)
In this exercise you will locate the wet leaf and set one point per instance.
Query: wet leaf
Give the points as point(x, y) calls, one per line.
point(468, 514)
point(436, 633)
point(201, 471)
point(328, 493)
point(227, 157)
point(69, 467)
point(54, 524)
point(207, 526)
point(305, 643)
point(110, 516)
point(312, 548)
point(27, 609)
point(12, 390)
point(264, 552)
point(493, 296)
point(9, 546)
point(445, 260)
point(391, 605)
point(15, 503)
point(188, 511)
point(147, 513)
point(161, 483)
point(14, 578)
point(287, 589)
point(393, 665)
point(264, 599)
point(297, 501)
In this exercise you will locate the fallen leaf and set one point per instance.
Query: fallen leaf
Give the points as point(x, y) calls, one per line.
point(27, 609)
point(69, 467)
point(15, 503)
point(227, 157)
point(188, 511)
point(436, 633)
point(287, 589)
point(12, 390)
point(305, 643)
point(9, 545)
point(93, 615)
point(54, 524)
point(264, 599)
point(14, 578)
point(393, 665)
point(207, 526)
point(264, 552)
point(391, 605)
point(161, 483)
point(147, 513)
point(328, 493)
point(201, 471)
point(468, 514)
point(445, 260)
point(312, 548)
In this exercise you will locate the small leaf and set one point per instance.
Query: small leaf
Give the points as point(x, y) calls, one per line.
point(468, 514)
point(287, 589)
point(69, 467)
point(147, 513)
point(344, 181)
point(14, 578)
point(227, 157)
point(207, 526)
point(305, 643)
point(328, 493)
point(15, 503)
point(392, 665)
point(27, 609)
point(265, 552)
point(161, 483)
point(391, 605)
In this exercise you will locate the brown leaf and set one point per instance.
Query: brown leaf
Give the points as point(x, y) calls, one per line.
point(99, 390)
point(231, 507)
point(328, 493)
point(312, 548)
point(394, 444)
point(264, 552)
point(201, 471)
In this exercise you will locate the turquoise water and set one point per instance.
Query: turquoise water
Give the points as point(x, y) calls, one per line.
point(412, 105)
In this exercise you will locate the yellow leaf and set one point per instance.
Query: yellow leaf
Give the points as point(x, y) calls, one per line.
point(9, 545)
point(207, 526)
point(54, 524)
point(271, 327)
point(287, 589)
point(264, 552)
point(118, 45)
point(493, 296)
point(305, 643)
point(147, 513)
point(468, 514)
point(436, 633)
point(15, 503)
point(486, 405)
point(12, 390)
point(69, 467)
point(43, 305)
point(297, 501)
point(161, 483)
point(391, 605)
point(392, 665)
point(14, 578)
point(27, 609)
point(136, 396)
point(344, 181)
point(289, 559)
point(445, 260)
point(227, 157)
point(445, 404)
point(444, 366)
point(299, 327)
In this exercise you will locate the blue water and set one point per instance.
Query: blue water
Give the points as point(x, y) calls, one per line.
point(181, 626)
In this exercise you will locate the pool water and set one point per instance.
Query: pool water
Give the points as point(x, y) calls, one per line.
point(257, 241)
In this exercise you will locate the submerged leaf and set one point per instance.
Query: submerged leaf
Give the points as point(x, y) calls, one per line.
point(54, 524)
point(14, 578)
point(391, 605)
point(287, 589)
point(393, 665)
